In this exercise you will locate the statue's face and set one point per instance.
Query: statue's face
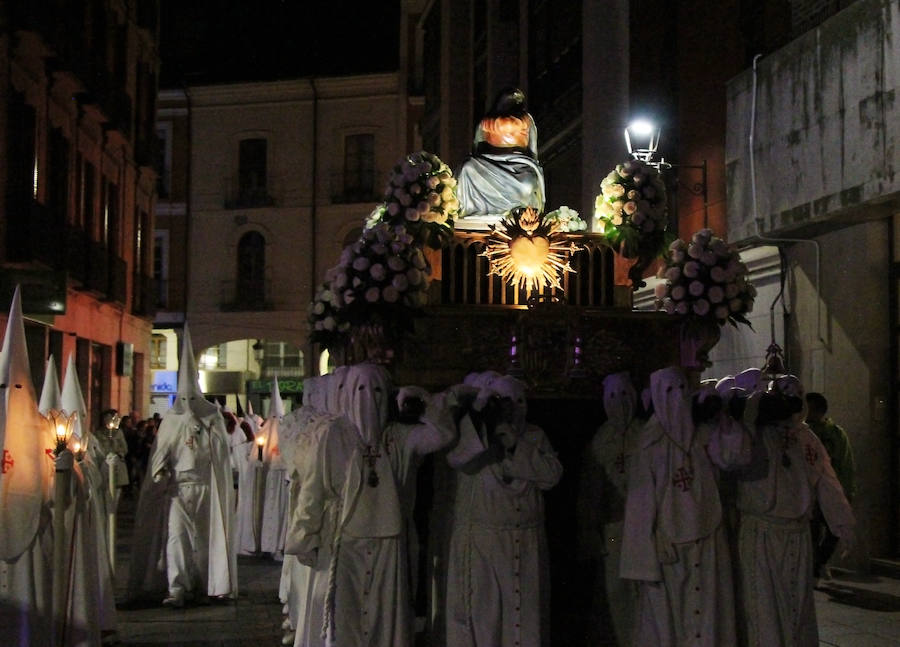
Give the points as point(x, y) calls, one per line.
point(506, 132)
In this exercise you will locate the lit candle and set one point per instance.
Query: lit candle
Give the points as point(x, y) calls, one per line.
point(260, 441)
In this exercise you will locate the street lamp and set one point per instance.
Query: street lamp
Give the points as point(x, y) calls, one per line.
point(642, 140)
point(259, 351)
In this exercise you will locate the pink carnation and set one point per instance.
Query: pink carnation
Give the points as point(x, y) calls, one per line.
point(390, 294)
point(696, 288)
point(372, 294)
point(691, 269)
point(701, 307)
point(716, 294)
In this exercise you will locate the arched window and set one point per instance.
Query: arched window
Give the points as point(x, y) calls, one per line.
point(251, 268)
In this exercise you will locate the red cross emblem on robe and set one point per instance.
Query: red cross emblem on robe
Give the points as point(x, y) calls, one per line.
point(8, 461)
point(683, 478)
point(811, 455)
point(189, 442)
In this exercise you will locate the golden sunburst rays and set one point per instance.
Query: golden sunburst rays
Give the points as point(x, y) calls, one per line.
point(526, 251)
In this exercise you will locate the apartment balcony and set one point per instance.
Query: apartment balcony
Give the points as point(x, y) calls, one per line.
point(76, 252)
point(359, 190)
point(145, 294)
point(35, 233)
point(245, 296)
point(244, 197)
point(117, 288)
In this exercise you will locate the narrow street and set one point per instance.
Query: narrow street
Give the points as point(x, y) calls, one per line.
point(253, 621)
point(853, 610)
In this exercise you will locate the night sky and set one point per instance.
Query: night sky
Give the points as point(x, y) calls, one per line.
point(215, 41)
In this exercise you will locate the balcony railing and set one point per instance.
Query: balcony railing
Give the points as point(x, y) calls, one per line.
point(117, 289)
point(365, 189)
point(240, 296)
point(242, 197)
point(34, 233)
point(145, 295)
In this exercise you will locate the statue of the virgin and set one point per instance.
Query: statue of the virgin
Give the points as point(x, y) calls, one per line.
point(503, 171)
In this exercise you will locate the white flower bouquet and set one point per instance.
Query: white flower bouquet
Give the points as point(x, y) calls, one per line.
point(326, 324)
point(566, 220)
point(382, 278)
point(705, 278)
point(631, 209)
point(421, 195)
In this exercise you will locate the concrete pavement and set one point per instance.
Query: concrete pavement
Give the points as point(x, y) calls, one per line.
point(854, 610)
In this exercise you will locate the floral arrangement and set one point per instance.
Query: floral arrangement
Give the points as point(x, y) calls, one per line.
point(705, 278)
point(325, 321)
point(421, 196)
point(382, 278)
point(565, 219)
point(631, 209)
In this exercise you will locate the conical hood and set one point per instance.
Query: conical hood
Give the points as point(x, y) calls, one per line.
point(24, 437)
point(271, 427)
point(276, 404)
point(50, 395)
point(240, 410)
point(190, 396)
point(72, 400)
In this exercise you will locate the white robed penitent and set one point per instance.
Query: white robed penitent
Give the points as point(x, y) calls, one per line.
point(276, 493)
point(186, 544)
point(72, 402)
point(25, 484)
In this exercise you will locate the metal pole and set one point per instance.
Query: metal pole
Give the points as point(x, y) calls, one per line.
point(111, 517)
point(61, 498)
point(258, 484)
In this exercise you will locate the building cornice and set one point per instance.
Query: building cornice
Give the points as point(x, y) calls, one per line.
point(295, 90)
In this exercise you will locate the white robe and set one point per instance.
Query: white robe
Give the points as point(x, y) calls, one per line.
point(611, 454)
point(776, 495)
point(26, 591)
point(244, 458)
point(196, 547)
point(97, 511)
point(497, 579)
point(673, 539)
point(314, 523)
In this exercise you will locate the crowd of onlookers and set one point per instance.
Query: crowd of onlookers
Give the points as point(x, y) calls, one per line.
point(139, 435)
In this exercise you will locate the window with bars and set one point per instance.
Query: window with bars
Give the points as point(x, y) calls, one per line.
point(158, 352)
point(252, 172)
point(214, 357)
point(279, 354)
point(359, 167)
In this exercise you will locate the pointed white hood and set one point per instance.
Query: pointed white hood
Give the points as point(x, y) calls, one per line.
point(24, 438)
point(72, 400)
point(507, 386)
point(672, 405)
point(51, 398)
point(271, 426)
point(368, 391)
point(276, 404)
point(750, 380)
point(619, 399)
point(190, 396)
point(336, 391)
point(314, 393)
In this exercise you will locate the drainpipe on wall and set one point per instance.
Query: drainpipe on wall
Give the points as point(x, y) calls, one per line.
point(187, 197)
point(313, 229)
